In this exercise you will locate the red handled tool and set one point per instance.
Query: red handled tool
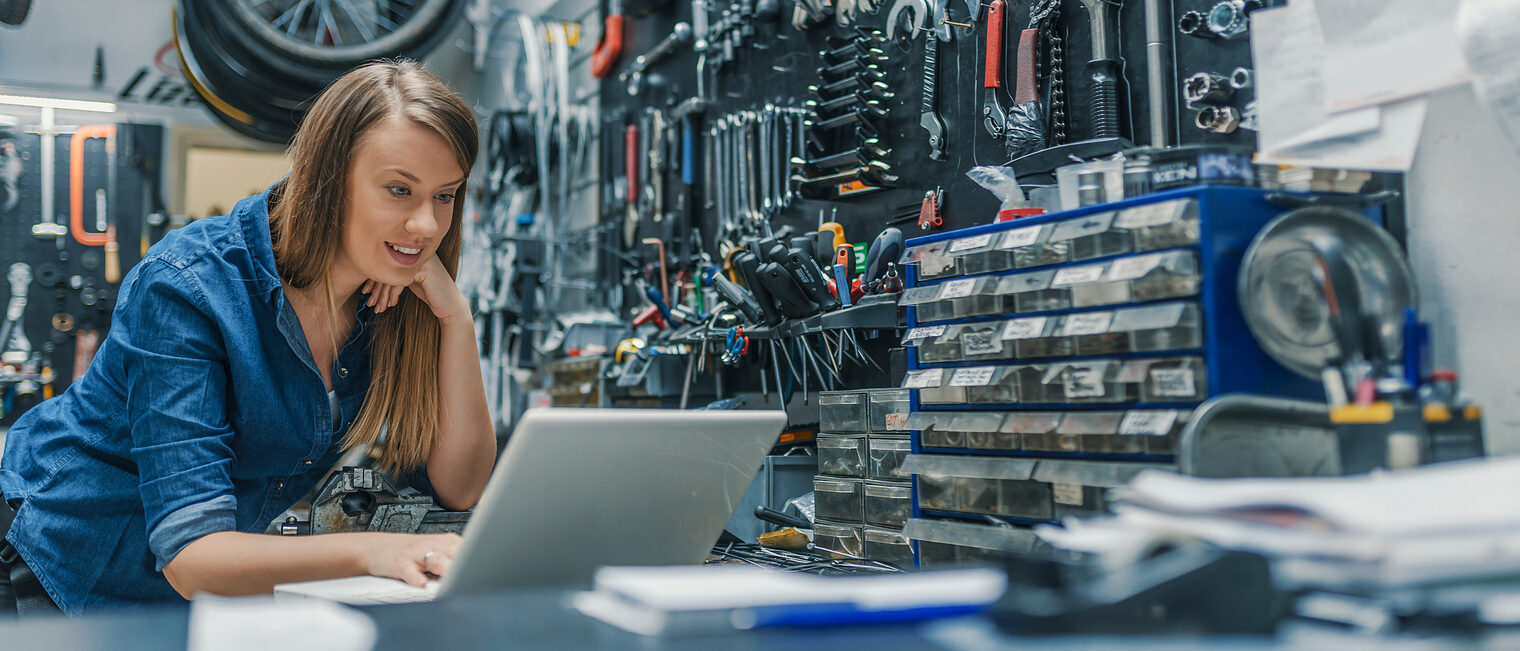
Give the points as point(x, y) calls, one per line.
point(993, 115)
point(610, 46)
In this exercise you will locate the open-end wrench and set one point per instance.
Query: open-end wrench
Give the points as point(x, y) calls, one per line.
point(848, 67)
point(855, 48)
point(841, 103)
point(863, 82)
point(920, 12)
point(994, 117)
point(928, 117)
point(860, 115)
point(634, 75)
point(1105, 68)
point(865, 153)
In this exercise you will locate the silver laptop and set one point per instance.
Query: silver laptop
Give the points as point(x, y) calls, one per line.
point(580, 488)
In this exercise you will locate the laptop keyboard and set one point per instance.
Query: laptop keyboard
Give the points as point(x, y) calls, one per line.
point(400, 593)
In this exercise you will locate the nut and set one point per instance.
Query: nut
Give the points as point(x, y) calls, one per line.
point(1217, 119)
point(1240, 79)
point(1206, 87)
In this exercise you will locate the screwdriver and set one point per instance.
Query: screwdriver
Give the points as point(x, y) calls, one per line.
point(749, 270)
point(837, 230)
point(736, 296)
point(886, 248)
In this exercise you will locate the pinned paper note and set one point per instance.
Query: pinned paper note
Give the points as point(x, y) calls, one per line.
point(1489, 32)
point(1382, 51)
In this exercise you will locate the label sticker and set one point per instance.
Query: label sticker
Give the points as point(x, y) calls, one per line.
point(1132, 268)
point(923, 379)
point(975, 376)
point(981, 342)
point(1068, 494)
point(897, 420)
point(1148, 423)
point(1154, 214)
point(1077, 275)
point(1083, 381)
point(1020, 237)
point(935, 266)
point(924, 332)
point(1087, 324)
point(1028, 328)
point(971, 243)
point(1173, 382)
point(957, 289)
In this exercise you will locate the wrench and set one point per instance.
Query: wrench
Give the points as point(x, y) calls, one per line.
point(993, 115)
point(928, 118)
point(634, 75)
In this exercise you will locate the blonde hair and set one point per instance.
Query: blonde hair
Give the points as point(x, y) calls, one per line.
point(305, 224)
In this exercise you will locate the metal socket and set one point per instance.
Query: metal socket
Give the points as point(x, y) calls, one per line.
point(1193, 23)
point(1206, 88)
point(1228, 19)
point(1217, 119)
point(1240, 79)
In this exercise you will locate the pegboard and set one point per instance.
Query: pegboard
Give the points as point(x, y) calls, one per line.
point(67, 276)
point(779, 63)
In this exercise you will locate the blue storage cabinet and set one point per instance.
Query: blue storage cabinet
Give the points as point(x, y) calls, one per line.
point(1102, 305)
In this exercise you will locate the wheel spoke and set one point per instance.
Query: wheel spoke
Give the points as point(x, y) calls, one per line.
point(360, 23)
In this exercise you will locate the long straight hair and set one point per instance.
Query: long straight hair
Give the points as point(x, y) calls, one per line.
point(399, 416)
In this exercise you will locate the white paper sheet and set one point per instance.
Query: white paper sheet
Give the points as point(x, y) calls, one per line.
point(1381, 51)
point(1489, 32)
point(1288, 48)
point(260, 623)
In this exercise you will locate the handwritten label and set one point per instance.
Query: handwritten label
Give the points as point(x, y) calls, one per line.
point(1087, 324)
point(1132, 268)
point(1148, 423)
point(897, 420)
point(975, 376)
point(1068, 494)
point(923, 379)
point(1077, 275)
point(1173, 382)
point(981, 342)
point(1020, 237)
point(1029, 328)
point(1154, 214)
point(971, 243)
point(957, 289)
point(924, 332)
point(1084, 382)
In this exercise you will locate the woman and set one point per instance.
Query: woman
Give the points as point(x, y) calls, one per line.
point(247, 352)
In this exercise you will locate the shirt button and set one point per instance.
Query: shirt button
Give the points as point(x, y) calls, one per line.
point(279, 485)
point(342, 372)
point(306, 461)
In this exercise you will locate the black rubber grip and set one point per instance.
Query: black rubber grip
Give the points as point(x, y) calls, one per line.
point(737, 297)
point(749, 269)
point(811, 279)
point(783, 286)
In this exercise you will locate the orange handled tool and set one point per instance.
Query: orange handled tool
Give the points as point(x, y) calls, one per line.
point(106, 239)
point(610, 46)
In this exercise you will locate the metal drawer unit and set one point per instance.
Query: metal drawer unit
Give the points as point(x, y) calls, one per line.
point(1053, 357)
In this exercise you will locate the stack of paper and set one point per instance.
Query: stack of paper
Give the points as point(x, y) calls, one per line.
point(1445, 523)
point(686, 599)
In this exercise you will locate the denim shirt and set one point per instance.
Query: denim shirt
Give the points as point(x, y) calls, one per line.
point(202, 412)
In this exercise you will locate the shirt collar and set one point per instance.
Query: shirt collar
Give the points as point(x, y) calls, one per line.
point(253, 214)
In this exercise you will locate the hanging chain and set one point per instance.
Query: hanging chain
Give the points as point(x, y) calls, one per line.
point(1057, 69)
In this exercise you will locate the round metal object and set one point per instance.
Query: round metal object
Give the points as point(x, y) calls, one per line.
point(91, 260)
point(49, 275)
point(63, 322)
point(1228, 19)
point(87, 296)
point(1280, 286)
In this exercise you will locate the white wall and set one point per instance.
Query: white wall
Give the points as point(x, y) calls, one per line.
point(1464, 243)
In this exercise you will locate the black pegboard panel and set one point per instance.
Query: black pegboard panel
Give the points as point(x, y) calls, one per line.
point(127, 207)
point(779, 63)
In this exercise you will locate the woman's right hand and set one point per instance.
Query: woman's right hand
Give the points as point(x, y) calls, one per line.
point(411, 557)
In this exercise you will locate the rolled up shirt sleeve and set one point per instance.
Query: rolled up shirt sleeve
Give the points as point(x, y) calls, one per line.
point(176, 384)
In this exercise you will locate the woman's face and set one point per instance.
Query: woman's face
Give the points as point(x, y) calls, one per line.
point(400, 203)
